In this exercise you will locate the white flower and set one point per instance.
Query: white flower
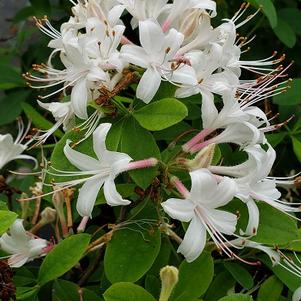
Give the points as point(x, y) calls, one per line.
point(156, 54)
point(63, 115)
point(23, 246)
point(199, 208)
point(12, 150)
point(253, 183)
point(178, 7)
point(99, 172)
point(142, 10)
point(205, 65)
point(89, 61)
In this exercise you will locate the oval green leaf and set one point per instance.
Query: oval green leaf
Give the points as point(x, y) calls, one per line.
point(161, 114)
point(285, 33)
point(125, 291)
point(237, 297)
point(270, 290)
point(64, 256)
point(131, 253)
point(139, 144)
point(292, 96)
point(240, 274)
point(194, 278)
point(6, 219)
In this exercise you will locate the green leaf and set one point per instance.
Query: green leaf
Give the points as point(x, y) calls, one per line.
point(240, 274)
point(161, 114)
point(268, 9)
point(26, 292)
point(270, 290)
point(14, 101)
point(131, 252)
point(292, 16)
point(288, 278)
point(276, 138)
point(6, 220)
point(292, 96)
point(285, 33)
point(10, 78)
point(297, 148)
point(125, 291)
point(64, 256)
point(41, 7)
point(237, 297)
point(219, 287)
point(194, 278)
point(66, 291)
point(139, 144)
point(38, 120)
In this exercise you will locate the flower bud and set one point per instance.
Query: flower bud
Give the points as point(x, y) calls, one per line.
point(169, 277)
point(203, 159)
point(48, 215)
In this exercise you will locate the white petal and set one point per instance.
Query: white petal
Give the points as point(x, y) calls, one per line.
point(203, 185)
point(17, 260)
point(209, 110)
point(253, 221)
point(151, 36)
point(173, 40)
point(224, 193)
point(194, 240)
point(148, 85)
point(184, 75)
point(79, 160)
point(135, 55)
point(79, 99)
point(99, 139)
point(87, 196)
point(112, 196)
point(224, 222)
point(179, 209)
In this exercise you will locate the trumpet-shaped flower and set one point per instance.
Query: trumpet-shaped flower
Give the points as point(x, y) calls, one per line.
point(63, 115)
point(99, 172)
point(12, 150)
point(200, 209)
point(142, 10)
point(23, 246)
point(89, 60)
point(156, 55)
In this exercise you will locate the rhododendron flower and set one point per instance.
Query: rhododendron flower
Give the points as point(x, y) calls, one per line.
point(12, 150)
point(23, 246)
point(156, 54)
point(200, 209)
point(99, 172)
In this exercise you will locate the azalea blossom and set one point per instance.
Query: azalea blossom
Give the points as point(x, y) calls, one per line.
point(22, 246)
point(98, 172)
point(142, 10)
point(63, 115)
point(254, 184)
point(89, 60)
point(200, 209)
point(12, 149)
point(156, 54)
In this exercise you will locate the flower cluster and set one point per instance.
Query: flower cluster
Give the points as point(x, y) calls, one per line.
point(177, 44)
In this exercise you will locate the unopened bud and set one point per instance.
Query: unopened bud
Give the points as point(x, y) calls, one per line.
point(24, 206)
point(169, 277)
point(203, 159)
point(48, 215)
